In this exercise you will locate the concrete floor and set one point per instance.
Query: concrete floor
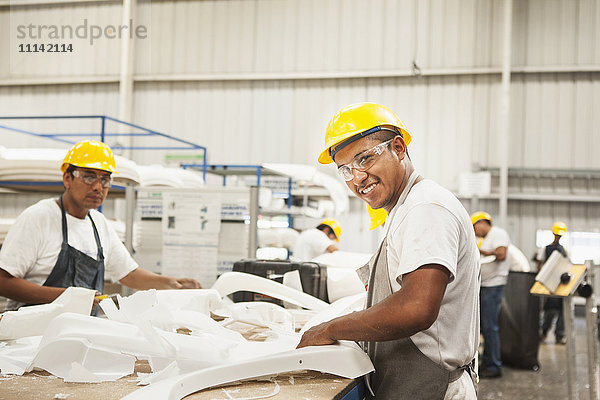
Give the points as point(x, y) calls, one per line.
point(550, 382)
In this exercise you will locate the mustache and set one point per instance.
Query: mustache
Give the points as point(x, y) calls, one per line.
point(367, 184)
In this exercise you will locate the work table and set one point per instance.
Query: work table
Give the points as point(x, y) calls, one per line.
point(299, 385)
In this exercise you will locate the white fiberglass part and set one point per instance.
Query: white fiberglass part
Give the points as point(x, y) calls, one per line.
point(341, 307)
point(343, 282)
point(259, 313)
point(76, 360)
point(167, 372)
point(149, 303)
point(33, 320)
point(105, 337)
point(170, 310)
point(231, 282)
point(344, 359)
point(16, 356)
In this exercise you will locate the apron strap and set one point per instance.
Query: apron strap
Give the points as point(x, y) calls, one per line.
point(65, 241)
point(64, 222)
point(97, 237)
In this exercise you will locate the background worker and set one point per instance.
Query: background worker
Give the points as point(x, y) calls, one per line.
point(553, 305)
point(58, 243)
point(421, 321)
point(494, 242)
point(316, 241)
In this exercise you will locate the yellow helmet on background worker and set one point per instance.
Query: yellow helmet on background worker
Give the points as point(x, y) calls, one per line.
point(479, 216)
point(335, 227)
point(358, 119)
point(378, 217)
point(559, 228)
point(90, 154)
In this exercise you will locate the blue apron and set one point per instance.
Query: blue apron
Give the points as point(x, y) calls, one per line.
point(75, 268)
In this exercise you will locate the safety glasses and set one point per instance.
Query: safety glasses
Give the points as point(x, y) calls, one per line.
point(90, 178)
point(363, 161)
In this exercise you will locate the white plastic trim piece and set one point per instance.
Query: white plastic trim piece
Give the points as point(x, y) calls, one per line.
point(33, 320)
point(231, 282)
point(345, 359)
point(343, 306)
point(78, 360)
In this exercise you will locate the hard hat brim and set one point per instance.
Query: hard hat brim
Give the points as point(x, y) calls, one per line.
point(325, 156)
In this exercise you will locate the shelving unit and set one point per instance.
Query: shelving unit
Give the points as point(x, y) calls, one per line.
point(101, 134)
point(260, 172)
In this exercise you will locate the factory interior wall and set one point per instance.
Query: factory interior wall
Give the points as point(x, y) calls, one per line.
point(257, 80)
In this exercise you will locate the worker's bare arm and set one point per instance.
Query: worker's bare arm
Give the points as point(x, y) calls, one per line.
point(412, 309)
point(142, 279)
point(500, 253)
point(26, 292)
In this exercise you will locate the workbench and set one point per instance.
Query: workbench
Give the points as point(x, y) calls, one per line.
point(299, 385)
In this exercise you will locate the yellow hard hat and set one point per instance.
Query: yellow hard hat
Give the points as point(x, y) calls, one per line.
point(480, 215)
point(378, 217)
point(358, 119)
point(90, 154)
point(335, 227)
point(559, 228)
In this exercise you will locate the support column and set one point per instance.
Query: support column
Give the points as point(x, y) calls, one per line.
point(569, 318)
point(504, 133)
point(126, 74)
point(252, 241)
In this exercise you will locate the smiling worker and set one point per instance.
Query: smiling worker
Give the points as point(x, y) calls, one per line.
point(420, 325)
point(58, 243)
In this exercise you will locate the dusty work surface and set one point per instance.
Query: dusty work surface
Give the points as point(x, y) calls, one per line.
point(305, 385)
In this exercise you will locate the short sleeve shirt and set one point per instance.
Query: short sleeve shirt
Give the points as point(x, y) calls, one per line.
point(495, 273)
point(432, 227)
point(33, 243)
point(310, 244)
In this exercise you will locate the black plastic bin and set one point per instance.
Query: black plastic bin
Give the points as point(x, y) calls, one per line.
point(312, 275)
point(519, 322)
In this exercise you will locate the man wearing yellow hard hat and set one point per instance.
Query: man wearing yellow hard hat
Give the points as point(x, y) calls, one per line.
point(316, 241)
point(58, 243)
point(494, 275)
point(553, 306)
point(420, 325)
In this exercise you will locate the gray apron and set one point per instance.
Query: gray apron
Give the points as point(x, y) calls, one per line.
point(402, 371)
point(75, 268)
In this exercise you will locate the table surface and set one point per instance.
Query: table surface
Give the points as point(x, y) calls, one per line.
point(298, 385)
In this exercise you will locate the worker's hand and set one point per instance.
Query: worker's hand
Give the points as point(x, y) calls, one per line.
point(184, 283)
point(97, 299)
point(317, 336)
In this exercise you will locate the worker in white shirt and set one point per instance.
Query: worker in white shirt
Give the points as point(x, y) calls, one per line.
point(62, 242)
point(494, 275)
point(420, 325)
point(316, 241)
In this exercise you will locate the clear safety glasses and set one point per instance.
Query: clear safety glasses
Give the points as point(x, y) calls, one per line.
point(363, 161)
point(90, 178)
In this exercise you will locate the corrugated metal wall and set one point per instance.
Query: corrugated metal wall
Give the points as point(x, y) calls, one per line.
point(257, 80)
